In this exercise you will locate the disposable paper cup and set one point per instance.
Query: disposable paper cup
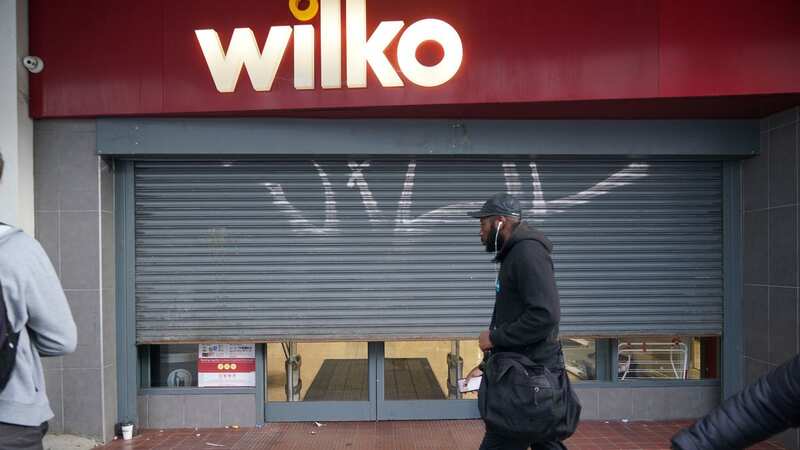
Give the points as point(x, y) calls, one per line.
point(127, 432)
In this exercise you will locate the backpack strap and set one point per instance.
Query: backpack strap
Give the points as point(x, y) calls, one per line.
point(8, 345)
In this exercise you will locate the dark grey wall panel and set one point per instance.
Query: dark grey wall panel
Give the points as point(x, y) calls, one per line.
point(280, 249)
point(260, 136)
point(771, 207)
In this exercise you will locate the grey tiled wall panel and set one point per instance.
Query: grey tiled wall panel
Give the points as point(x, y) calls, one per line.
point(75, 234)
point(201, 411)
point(755, 180)
point(783, 246)
point(771, 231)
point(83, 402)
point(756, 321)
point(179, 411)
point(657, 403)
point(109, 400)
point(755, 248)
point(782, 166)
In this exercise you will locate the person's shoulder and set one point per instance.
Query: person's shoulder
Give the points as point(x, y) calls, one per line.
point(532, 247)
point(15, 243)
point(14, 236)
point(6, 230)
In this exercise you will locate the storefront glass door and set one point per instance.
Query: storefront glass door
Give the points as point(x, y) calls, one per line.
point(345, 381)
point(320, 381)
point(418, 380)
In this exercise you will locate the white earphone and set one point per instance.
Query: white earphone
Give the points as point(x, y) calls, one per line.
point(496, 236)
point(496, 250)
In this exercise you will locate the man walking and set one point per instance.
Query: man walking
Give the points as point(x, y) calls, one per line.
point(37, 322)
point(527, 308)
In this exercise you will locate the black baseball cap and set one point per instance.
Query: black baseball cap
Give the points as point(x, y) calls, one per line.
point(498, 205)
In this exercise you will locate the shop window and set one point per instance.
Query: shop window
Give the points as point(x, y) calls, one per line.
point(172, 366)
point(327, 371)
point(412, 370)
point(428, 370)
point(580, 358)
point(667, 358)
point(193, 365)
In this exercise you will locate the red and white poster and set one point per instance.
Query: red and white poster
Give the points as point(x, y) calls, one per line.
point(226, 365)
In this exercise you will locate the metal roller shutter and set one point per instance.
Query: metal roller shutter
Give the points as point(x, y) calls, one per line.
point(380, 249)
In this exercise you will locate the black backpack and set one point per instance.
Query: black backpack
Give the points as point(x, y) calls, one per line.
point(8, 345)
point(518, 398)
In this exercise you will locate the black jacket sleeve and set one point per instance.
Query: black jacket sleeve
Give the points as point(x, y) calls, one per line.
point(763, 409)
point(533, 275)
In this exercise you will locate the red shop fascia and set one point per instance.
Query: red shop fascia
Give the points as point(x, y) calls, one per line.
point(513, 59)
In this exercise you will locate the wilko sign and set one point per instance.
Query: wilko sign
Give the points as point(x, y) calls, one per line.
point(362, 51)
point(226, 365)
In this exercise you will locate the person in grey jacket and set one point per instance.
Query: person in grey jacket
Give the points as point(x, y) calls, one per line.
point(37, 309)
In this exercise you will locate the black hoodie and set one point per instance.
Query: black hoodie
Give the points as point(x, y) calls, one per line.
point(527, 307)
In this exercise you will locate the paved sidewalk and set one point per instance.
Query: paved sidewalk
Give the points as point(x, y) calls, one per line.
point(417, 435)
point(67, 442)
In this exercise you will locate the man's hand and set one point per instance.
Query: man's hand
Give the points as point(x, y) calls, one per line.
point(484, 342)
point(476, 372)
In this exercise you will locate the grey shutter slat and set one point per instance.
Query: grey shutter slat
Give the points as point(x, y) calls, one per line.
point(294, 249)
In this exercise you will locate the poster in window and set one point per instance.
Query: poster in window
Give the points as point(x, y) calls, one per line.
point(226, 365)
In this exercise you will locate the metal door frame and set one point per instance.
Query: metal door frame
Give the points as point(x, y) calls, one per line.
point(329, 411)
point(418, 409)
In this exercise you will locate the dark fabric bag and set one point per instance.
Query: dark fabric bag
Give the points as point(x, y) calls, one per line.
point(520, 399)
point(8, 345)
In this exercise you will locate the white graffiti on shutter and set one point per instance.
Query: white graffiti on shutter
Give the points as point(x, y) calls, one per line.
point(449, 214)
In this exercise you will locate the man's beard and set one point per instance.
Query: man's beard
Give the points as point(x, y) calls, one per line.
point(490, 241)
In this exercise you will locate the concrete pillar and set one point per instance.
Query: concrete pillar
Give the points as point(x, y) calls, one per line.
point(75, 225)
point(16, 126)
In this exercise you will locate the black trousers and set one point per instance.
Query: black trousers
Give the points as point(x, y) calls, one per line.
point(18, 437)
point(494, 441)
